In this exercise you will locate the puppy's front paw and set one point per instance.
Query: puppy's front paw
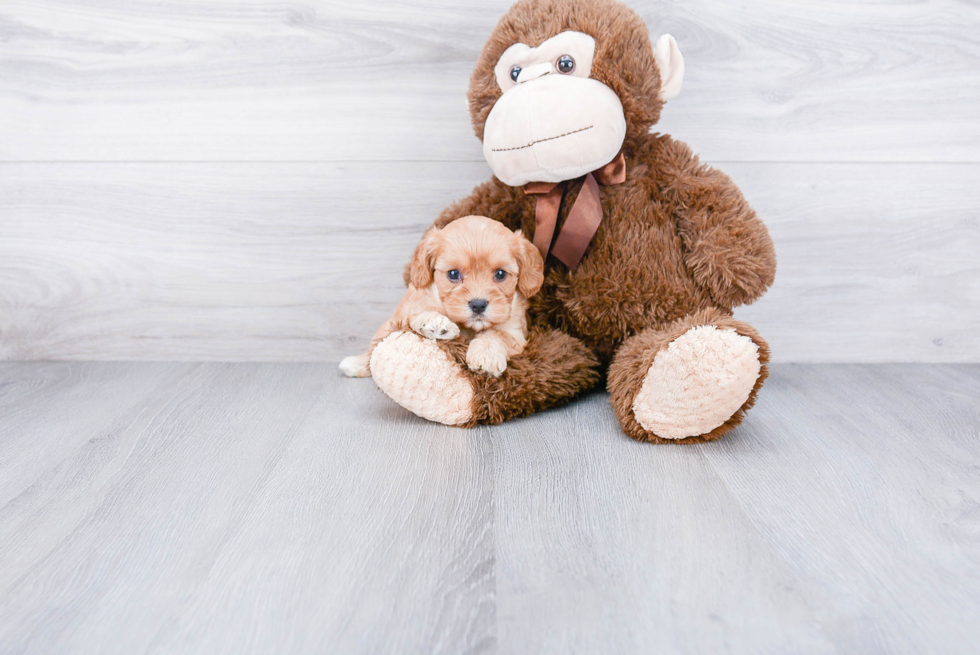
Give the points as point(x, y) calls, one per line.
point(435, 326)
point(486, 356)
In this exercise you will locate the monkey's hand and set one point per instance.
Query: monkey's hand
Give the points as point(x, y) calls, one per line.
point(727, 247)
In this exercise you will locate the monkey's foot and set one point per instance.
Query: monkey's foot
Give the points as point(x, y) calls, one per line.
point(697, 382)
point(419, 376)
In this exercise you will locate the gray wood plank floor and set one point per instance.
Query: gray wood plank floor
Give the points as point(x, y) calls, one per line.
point(258, 508)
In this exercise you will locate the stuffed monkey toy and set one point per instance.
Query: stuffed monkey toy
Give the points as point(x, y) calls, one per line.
point(647, 250)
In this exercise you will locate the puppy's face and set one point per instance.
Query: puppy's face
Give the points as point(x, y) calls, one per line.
point(477, 266)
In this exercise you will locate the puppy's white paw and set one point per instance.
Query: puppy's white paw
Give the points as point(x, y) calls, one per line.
point(486, 356)
point(435, 326)
point(356, 366)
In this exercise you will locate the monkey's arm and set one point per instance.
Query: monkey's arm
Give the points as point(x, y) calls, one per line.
point(726, 246)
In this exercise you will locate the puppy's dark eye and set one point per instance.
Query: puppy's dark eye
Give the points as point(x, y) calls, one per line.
point(515, 73)
point(453, 275)
point(500, 275)
point(566, 64)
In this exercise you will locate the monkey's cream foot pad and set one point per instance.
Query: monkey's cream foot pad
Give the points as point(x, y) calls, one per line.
point(419, 376)
point(697, 383)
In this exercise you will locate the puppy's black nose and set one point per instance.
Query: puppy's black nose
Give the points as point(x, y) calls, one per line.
point(479, 305)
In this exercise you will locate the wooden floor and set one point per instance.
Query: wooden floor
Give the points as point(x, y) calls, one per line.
point(278, 508)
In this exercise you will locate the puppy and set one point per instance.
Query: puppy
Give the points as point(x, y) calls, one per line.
point(471, 277)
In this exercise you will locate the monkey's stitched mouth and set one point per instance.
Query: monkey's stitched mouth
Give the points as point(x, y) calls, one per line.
point(550, 138)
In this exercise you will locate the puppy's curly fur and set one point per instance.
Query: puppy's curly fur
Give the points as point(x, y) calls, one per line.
point(472, 277)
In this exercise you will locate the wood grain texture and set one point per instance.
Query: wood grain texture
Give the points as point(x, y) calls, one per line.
point(252, 80)
point(299, 262)
point(243, 180)
point(238, 509)
point(839, 518)
point(256, 508)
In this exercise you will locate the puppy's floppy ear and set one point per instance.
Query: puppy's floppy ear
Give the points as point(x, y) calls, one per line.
point(424, 259)
point(531, 276)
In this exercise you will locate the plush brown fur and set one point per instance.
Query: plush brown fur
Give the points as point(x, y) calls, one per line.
point(634, 358)
point(553, 368)
point(623, 58)
point(678, 245)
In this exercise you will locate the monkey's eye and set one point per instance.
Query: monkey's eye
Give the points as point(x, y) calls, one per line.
point(566, 64)
point(453, 275)
point(500, 275)
point(515, 73)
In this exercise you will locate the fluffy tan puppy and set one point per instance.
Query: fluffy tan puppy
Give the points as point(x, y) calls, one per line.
point(471, 277)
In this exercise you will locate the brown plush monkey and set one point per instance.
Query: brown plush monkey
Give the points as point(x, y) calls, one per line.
point(647, 250)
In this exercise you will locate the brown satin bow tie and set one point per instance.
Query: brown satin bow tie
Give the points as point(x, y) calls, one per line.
point(583, 218)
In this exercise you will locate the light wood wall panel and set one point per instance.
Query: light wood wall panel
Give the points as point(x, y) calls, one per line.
point(249, 80)
point(242, 179)
point(302, 261)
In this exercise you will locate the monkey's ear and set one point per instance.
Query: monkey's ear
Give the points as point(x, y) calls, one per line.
point(671, 65)
point(531, 276)
point(424, 259)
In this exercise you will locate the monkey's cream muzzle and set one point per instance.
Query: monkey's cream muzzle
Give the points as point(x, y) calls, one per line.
point(553, 128)
point(554, 122)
